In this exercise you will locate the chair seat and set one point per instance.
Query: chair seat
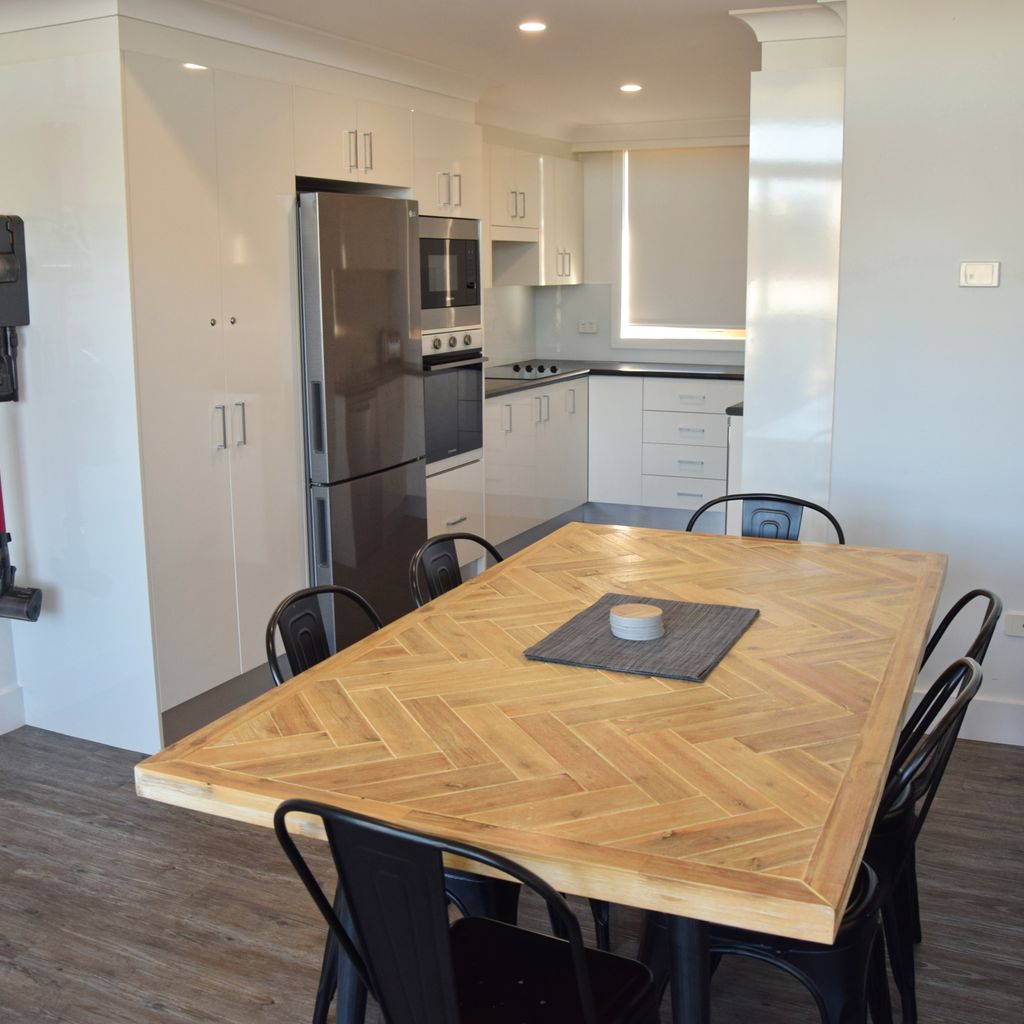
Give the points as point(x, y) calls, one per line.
point(509, 975)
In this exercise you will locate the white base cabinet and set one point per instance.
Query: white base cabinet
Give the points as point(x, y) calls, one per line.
point(660, 442)
point(535, 445)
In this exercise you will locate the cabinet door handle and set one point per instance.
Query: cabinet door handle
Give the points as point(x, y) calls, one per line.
point(367, 151)
point(570, 401)
point(456, 521)
point(442, 193)
point(352, 138)
point(458, 178)
point(522, 199)
point(223, 426)
point(540, 410)
point(513, 207)
point(691, 430)
point(507, 419)
point(693, 398)
point(245, 434)
point(568, 268)
point(547, 407)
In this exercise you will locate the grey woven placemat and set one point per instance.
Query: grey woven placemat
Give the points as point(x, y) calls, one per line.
point(697, 637)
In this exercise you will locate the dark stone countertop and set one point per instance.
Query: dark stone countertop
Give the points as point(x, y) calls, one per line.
point(568, 369)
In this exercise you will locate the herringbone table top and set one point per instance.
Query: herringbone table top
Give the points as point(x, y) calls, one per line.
point(743, 800)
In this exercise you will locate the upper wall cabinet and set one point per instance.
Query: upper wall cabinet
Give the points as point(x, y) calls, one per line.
point(352, 140)
point(562, 237)
point(448, 166)
point(515, 188)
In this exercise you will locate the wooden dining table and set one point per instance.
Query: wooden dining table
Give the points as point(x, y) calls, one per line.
point(745, 800)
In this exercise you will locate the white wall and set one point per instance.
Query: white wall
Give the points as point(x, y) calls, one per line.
point(929, 417)
point(86, 667)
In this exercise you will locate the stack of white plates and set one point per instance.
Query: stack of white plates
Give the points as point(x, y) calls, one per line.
point(636, 621)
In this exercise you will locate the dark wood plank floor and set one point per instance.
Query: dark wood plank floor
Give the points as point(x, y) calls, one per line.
point(114, 909)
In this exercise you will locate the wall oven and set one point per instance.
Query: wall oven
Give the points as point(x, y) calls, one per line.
point(449, 272)
point(453, 391)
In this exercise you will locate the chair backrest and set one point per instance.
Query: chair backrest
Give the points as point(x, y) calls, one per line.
point(437, 563)
point(774, 516)
point(393, 884)
point(921, 757)
point(301, 622)
point(979, 648)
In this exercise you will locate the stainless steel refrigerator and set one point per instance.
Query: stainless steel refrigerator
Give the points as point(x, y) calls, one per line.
point(363, 398)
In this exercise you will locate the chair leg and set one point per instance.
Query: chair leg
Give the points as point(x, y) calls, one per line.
point(338, 976)
point(878, 984)
point(602, 910)
point(328, 981)
point(911, 873)
point(900, 946)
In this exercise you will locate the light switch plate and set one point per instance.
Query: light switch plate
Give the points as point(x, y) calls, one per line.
point(979, 275)
point(1013, 623)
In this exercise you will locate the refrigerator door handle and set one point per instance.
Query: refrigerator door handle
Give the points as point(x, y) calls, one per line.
point(322, 537)
point(317, 417)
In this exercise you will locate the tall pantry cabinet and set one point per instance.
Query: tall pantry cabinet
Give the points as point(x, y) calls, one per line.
point(211, 194)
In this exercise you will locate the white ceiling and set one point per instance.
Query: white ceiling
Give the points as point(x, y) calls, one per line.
point(693, 60)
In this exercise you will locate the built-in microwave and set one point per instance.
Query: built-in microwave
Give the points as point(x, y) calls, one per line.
point(449, 272)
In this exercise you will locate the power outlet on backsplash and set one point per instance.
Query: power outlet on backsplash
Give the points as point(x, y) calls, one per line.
point(586, 327)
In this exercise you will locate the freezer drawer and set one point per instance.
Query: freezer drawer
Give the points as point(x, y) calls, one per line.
point(363, 535)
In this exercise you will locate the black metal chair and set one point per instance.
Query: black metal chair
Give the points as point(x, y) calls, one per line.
point(300, 619)
point(422, 969)
point(918, 766)
point(775, 516)
point(437, 563)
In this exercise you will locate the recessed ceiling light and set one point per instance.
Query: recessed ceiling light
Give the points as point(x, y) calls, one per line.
point(195, 67)
point(532, 26)
point(630, 87)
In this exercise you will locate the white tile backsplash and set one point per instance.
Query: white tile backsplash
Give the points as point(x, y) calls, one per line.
point(509, 333)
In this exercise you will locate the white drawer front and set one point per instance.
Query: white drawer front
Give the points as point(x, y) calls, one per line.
point(684, 394)
point(455, 504)
point(680, 491)
point(687, 428)
point(685, 460)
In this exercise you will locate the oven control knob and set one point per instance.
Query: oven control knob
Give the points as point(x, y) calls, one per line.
point(453, 341)
point(467, 339)
point(553, 369)
point(540, 368)
point(516, 367)
point(436, 343)
point(528, 367)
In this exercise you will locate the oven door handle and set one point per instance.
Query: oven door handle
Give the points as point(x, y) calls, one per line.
point(479, 361)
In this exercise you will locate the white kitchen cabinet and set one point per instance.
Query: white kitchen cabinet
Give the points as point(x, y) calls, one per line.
point(346, 139)
point(616, 439)
point(211, 241)
point(447, 166)
point(562, 235)
point(535, 445)
point(515, 190)
point(455, 504)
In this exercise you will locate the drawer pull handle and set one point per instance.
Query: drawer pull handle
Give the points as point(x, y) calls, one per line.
point(690, 462)
point(692, 430)
point(456, 521)
point(693, 398)
point(688, 494)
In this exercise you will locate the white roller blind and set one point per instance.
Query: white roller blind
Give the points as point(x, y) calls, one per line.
point(687, 237)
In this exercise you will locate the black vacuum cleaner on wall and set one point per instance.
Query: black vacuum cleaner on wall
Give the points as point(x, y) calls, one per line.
point(15, 602)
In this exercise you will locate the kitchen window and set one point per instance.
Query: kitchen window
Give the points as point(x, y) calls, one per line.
point(683, 271)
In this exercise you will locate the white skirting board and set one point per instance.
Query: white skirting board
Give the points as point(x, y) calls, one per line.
point(12, 709)
point(995, 720)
